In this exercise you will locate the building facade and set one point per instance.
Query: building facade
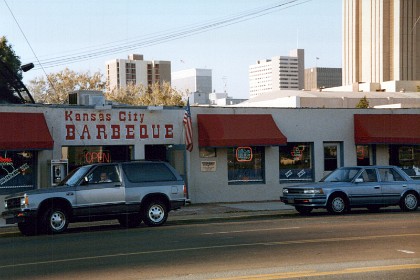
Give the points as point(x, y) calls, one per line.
point(277, 73)
point(136, 71)
point(193, 80)
point(322, 77)
point(381, 41)
point(240, 154)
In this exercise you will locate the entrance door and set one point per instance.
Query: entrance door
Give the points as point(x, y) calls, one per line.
point(332, 157)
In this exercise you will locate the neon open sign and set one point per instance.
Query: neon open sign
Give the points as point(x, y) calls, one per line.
point(95, 157)
point(244, 154)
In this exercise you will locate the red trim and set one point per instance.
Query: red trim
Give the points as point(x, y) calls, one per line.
point(387, 129)
point(24, 131)
point(220, 130)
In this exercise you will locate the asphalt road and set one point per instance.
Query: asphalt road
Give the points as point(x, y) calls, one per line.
point(359, 245)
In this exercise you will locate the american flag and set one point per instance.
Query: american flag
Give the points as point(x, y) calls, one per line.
point(188, 127)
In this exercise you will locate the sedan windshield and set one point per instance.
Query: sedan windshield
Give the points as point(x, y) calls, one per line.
point(342, 175)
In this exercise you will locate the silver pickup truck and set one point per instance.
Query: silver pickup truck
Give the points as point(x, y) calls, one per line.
point(131, 192)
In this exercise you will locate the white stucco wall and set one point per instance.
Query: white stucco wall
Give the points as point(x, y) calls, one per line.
point(317, 126)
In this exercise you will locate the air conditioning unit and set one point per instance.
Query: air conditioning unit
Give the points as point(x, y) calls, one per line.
point(87, 98)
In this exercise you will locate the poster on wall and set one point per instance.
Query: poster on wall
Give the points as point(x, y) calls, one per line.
point(16, 171)
point(208, 166)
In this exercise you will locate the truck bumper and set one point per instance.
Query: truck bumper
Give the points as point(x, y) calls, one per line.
point(14, 217)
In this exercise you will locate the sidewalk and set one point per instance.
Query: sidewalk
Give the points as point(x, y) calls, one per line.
point(229, 210)
point(215, 211)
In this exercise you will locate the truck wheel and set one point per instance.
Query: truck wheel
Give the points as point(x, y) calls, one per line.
point(28, 228)
point(130, 220)
point(155, 214)
point(55, 220)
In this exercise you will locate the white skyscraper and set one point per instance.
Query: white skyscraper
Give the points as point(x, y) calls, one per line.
point(277, 73)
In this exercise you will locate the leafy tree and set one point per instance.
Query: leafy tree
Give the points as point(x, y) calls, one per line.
point(363, 103)
point(10, 65)
point(154, 95)
point(128, 95)
point(56, 88)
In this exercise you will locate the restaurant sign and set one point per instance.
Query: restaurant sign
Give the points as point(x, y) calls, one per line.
point(122, 125)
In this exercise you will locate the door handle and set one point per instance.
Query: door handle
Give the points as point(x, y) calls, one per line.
point(377, 188)
point(69, 193)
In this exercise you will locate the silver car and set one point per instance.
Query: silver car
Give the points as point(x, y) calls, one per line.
point(371, 187)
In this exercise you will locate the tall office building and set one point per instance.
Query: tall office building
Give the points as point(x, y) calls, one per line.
point(135, 70)
point(277, 73)
point(381, 41)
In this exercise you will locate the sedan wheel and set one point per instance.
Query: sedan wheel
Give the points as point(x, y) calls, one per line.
point(409, 202)
point(337, 205)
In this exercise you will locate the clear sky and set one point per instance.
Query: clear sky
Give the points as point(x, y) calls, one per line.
point(99, 30)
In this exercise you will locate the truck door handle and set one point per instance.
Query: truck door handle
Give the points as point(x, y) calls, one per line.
point(69, 193)
point(376, 188)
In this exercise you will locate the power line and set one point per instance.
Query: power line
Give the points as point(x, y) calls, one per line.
point(27, 41)
point(166, 36)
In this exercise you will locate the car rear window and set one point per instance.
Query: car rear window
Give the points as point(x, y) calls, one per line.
point(148, 172)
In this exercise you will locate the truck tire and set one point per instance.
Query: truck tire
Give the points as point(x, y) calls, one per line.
point(55, 220)
point(154, 213)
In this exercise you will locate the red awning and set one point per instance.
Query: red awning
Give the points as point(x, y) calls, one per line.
point(24, 131)
point(238, 130)
point(387, 129)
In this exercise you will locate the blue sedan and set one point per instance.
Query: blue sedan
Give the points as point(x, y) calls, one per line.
point(371, 187)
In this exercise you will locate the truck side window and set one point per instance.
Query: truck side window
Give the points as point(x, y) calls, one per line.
point(104, 174)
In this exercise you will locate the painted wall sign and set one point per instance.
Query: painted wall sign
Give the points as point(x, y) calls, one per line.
point(244, 154)
point(123, 125)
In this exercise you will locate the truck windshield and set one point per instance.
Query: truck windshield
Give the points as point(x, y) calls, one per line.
point(341, 175)
point(75, 176)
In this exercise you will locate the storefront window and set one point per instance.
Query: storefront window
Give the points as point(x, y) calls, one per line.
point(406, 157)
point(246, 165)
point(17, 171)
point(296, 163)
point(362, 152)
point(82, 155)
